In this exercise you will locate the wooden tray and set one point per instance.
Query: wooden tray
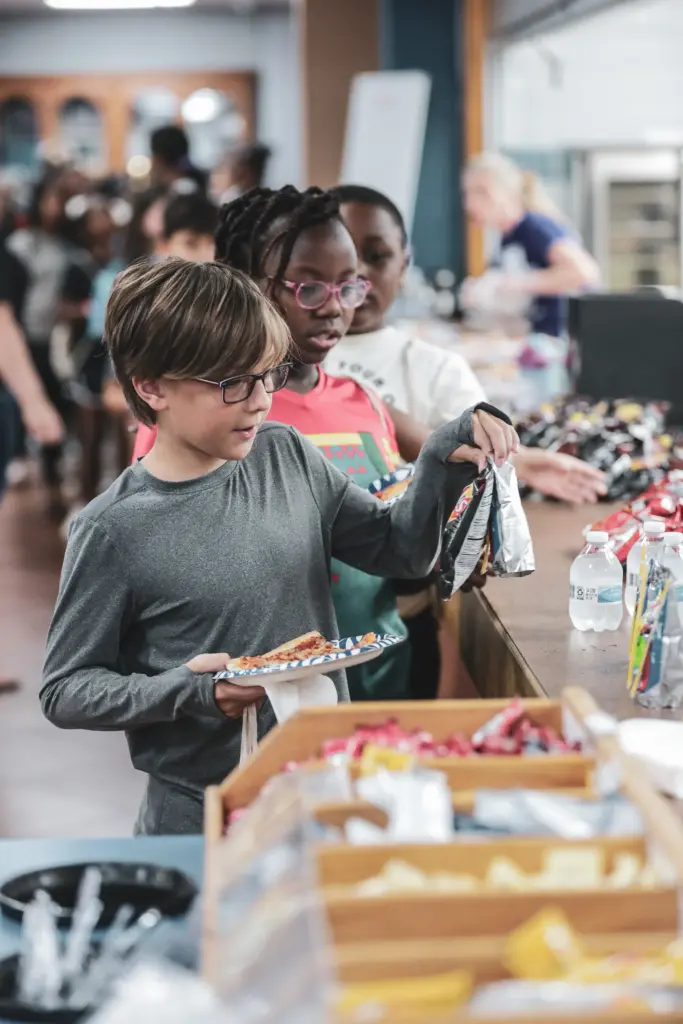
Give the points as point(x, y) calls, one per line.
point(301, 738)
point(422, 916)
point(343, 865)
point(482, 957)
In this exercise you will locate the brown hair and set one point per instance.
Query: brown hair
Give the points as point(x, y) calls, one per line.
point(179, 319)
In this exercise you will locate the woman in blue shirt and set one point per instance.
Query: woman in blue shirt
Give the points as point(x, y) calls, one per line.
point(540, 255)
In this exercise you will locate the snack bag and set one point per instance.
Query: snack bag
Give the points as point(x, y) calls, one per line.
point(512, 553)
point(466, 533)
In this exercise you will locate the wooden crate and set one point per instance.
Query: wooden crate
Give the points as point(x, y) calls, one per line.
point(483, 959)
point(430, 915)
point(301, 738)
point(343, 865)
point(403, 935)
point(480, 956)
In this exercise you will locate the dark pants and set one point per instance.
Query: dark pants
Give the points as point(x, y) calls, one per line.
point(50, 455)
point(425, 656)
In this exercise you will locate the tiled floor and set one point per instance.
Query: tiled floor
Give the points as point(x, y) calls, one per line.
point(52, 783)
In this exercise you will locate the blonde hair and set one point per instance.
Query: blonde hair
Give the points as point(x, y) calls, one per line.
point(514, 180)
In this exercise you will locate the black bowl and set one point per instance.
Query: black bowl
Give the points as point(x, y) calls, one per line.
point(141, 885)
point(11, 1008)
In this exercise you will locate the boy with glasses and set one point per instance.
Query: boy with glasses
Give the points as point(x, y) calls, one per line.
point(195, 551)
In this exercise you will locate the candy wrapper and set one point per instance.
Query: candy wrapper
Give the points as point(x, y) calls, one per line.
point(511, 553)
point(661, 502)
point(624, 439)
point(548, 999)
point(541, 812)
point(418, 802)
point(509, 731)
point(656, 656)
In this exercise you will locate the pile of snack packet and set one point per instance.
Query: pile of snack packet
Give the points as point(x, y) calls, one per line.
point(624, 439)
point(550, 972)
point(661, 502)
point(510, 732)
point(487, 530)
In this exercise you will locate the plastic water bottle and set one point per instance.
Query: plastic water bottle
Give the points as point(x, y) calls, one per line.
point(595, 586)
point(650, 539)
point(672, 559)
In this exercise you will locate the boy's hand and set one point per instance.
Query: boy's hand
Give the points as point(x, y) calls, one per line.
point(231, 698)
point(492, 438)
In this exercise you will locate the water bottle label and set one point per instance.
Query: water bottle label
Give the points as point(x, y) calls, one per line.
point(632, 579)
point(609, 595)
point(578, 592)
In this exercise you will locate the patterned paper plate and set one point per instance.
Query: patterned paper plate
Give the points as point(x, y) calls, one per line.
point(346, 656)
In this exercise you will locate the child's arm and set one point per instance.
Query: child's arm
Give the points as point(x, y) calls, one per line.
point(83, 686)
point(404, 539)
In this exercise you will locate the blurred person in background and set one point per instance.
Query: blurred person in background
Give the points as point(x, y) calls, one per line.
point(146, 224)
point(188, 226)
point(540, 257)
point(19, 380)
point(77, 345)
point(170, 148)
point(243, 169)
point(45, 255)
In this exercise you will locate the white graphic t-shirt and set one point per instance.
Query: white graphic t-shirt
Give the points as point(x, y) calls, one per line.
point(431, 384)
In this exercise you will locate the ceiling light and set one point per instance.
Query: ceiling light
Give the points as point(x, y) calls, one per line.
point(114, 5)
point(139, 166)
point(202, 106)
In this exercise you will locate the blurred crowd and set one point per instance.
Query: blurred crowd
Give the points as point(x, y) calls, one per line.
point(60, 255)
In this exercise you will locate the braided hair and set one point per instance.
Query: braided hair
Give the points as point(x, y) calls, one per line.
point(251, 226)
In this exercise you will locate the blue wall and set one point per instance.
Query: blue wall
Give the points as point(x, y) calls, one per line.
point(426, 35)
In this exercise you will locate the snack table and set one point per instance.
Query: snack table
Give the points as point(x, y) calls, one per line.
point(185, 853)
point(516, 636)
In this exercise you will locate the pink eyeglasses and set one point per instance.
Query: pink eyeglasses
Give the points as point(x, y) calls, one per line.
point(314, 294)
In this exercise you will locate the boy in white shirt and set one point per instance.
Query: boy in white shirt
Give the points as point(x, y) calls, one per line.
point(428, 384)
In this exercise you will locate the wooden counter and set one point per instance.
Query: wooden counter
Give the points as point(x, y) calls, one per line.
point(516, 636)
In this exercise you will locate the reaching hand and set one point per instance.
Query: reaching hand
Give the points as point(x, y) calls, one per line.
point(231, 698)
point(492, 438)
point(560, 476)
point(43, 422)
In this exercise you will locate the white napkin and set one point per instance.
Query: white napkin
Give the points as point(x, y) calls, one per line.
point(286, 697)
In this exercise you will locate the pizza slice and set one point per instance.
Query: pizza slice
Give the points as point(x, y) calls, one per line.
point(310, 645)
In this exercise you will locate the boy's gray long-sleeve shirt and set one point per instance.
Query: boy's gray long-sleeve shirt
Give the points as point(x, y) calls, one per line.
point(156, 573)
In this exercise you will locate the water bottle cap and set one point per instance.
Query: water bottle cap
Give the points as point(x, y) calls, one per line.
point(597, 537)
point(654, 529)
point(671, 540)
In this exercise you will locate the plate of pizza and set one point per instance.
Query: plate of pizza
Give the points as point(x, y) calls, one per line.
point(310, 654)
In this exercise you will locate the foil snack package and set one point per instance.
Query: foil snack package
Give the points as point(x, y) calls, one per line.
point(512, 552)
point(466, 534)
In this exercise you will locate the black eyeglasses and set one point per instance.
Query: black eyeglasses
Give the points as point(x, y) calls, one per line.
point(313, 294)
point(239, 389)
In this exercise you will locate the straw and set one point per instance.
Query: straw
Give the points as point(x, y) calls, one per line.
point(637, 620)
point(641, 668)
